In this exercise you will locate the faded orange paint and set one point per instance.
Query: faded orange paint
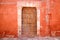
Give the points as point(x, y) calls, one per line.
point(54, 28)
point(8, 20)
point(9, 24)
point(55, 16)
point(8, 1)
point(43, 31)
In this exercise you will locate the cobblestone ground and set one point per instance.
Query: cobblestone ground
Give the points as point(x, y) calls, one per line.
point(36, 38)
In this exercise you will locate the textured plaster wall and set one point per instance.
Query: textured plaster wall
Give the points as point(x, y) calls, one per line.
point(51, 27)
point(49, 17)
point(8, 18)
point(55, 17)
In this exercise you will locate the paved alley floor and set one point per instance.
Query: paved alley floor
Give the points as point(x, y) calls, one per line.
point(36, 38)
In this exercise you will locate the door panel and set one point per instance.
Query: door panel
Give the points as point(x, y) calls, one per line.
point(29, 21)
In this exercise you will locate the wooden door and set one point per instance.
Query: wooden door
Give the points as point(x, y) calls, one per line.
point(29, 21)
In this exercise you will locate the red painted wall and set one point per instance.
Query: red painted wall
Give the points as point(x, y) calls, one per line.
point(8, 0)
point(8, 18)
point(54, 10)
point(43, 29)
point(55, 16)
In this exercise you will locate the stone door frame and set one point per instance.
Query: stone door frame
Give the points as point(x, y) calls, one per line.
point(20, 5)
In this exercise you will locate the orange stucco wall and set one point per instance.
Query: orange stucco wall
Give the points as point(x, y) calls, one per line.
point(55, 16)
point(8, 18)
point(53, 29)
point(9, 24)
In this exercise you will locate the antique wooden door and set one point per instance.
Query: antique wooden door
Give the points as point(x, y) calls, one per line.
point(29, 21)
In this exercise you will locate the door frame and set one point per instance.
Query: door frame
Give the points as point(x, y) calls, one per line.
point(20, 5)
